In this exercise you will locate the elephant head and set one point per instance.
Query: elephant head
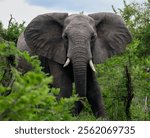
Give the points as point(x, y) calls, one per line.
point(79, 40)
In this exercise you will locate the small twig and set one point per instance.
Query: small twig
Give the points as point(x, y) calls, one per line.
point(10, 20)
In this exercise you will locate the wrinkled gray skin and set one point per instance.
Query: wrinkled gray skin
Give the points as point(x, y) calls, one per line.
point(56, 37)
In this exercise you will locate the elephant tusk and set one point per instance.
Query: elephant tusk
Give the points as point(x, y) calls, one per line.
point(67, 62)
point(92, 65)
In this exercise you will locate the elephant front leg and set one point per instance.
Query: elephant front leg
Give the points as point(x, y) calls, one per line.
point(94, 95)
point(61, 79)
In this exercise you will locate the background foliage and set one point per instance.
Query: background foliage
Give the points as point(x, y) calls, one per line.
point(124, 79)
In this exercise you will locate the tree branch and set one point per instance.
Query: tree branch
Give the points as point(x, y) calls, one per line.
point(130, 93)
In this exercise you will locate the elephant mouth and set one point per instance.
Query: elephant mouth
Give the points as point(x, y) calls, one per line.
point(90, 63)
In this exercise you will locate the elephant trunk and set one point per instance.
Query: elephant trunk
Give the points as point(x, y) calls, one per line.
point(79, 61)
point(80, 79)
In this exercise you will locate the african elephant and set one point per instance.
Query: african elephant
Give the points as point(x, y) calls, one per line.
point(70, 45)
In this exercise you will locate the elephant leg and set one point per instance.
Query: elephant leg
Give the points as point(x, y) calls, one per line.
point(61, 79)
point(94, 95)
point(77, 108)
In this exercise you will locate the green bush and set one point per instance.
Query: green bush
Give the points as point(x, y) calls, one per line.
point(13, 31)
point(29, 97)
point(112, 78)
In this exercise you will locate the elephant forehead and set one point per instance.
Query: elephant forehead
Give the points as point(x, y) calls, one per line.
point(78, 19)
point(79, 29)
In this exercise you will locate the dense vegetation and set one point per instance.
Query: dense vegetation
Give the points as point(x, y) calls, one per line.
point(124, 79)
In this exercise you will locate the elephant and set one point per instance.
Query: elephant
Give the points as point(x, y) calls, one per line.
point(69, 46)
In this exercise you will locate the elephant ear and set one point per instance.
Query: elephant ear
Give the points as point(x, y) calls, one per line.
point(43, 35)
point(112, 36)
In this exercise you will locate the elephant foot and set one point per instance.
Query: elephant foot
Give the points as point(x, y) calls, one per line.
point(78, 108)
point(99, 113)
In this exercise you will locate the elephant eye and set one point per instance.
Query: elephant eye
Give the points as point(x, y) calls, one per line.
point(65, 37)
point(93, 37)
